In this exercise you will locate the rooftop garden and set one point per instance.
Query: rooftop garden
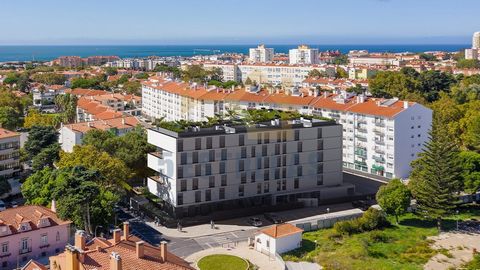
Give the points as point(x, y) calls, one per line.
point(233, 118)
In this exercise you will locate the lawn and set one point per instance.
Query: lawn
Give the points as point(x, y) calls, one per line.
point(402, 246)
point(222, 262)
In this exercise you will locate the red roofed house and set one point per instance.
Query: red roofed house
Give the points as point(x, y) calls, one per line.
point(122, 252)
point(278, 238)
point(30, 232)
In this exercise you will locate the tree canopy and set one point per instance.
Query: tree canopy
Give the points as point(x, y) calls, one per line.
point(394, 198)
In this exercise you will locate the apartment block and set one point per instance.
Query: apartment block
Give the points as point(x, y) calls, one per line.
point(9, 153)
point(201, 170)
point(261, 54)
point(303, 55)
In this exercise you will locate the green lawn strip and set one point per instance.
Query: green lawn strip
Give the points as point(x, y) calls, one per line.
point(222, 262)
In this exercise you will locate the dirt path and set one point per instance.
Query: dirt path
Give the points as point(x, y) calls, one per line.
point(460, 247)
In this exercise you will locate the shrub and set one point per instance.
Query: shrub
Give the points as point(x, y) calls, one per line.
point(371, 220)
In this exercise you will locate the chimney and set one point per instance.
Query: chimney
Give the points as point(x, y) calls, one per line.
point(163, 251)
point(80, 240)
point(115, 261)
point(71, 258)
point(140, 249)
point(53, 206)
point(116, 236)
point(123, 121)
point(126, 230)
point(405, 104)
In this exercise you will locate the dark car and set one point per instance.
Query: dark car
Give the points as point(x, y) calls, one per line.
point(273, 218)
point(254, 221)
point(361, 204)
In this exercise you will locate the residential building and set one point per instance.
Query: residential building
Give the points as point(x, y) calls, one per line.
point(472, 54)
point(277, 239)
point(69, 61)
point(44, 95)
point(123, 252)
point(380, 60)
point(34, 265)
point(261, 54)
point(202, 170)
point(381, 126)
point(72, 134)
point(9, 154)
point(103, 106)
point(476, 40)
point(30, 232)
point(361, 73)
point(303, 55)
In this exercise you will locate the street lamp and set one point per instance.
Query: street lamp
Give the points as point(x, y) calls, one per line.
point(96, 227)
point(457, 218)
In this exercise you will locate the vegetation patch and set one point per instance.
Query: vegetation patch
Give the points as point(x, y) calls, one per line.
point(222, 262)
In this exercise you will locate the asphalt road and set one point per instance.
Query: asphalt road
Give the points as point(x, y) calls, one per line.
point(363, 185)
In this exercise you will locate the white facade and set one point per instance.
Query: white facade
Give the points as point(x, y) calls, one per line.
point(472, 53)
point(261, 54)
point(272, 241)
point(370, 60)
point(476, 40)
point(303, 55)
point(264, 166)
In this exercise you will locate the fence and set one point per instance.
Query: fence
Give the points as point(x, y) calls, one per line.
point(326, 220)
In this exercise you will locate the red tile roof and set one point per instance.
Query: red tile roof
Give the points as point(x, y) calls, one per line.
point(281, 230)
point(33, 265)
point(5, 133)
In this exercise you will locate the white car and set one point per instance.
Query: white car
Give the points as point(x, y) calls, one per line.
point(2, 206)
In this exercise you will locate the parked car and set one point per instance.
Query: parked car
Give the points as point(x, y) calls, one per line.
point(2, 206)
point(361, 204)
point(14, 204)
point(255, 222)
point(273, 218)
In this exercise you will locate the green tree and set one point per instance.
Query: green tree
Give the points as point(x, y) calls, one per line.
point(340, 60)
point(428, 57)
point(46, 157)
point(39, 138)
point(315, 73)
point(433, 82)
point(35, 118)
point(142, 76)
point(133, 88)
point(341, 73)
point(468, 63)
point(123, 79)
point(9, 118)
point(38, 187)
point(435, 176)
point(67, 104)
point(470, 162)
point(49, 78)
point(195, 73)
point(394, 198)
point(110, 71)
point(357, 89)
point(4, 186)
point(172, 71)
point(390, 84)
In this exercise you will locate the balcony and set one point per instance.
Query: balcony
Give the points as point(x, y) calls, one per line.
point(362, 130)
point(157, 154)
point(362, 152)
point(361, 138)
point(362, 120)
point(379, 159)
point(378, 150)
point(380, 123)
point(25, 250)
point(379, 131)
point(379, 142)
point(159, 179)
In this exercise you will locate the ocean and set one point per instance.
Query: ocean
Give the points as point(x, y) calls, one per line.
point(46, 53)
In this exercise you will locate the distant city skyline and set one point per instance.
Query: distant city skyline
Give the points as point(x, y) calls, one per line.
point(121, 22)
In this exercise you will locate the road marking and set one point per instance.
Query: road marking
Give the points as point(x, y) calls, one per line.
point(210, 246)
point(236, 236)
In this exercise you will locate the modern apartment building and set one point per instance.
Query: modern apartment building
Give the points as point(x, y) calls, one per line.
point(303, 55)
point(381, 136)
point(261, 54)
point(476, 40)
point(9, 153)
point(44, 95)
point(474, 52)
point(201, 170)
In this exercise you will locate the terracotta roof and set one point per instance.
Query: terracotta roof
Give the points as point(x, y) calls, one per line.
point(5, 133)
point(34, 265)
point(119, 123)
point(31, 214)
point(281, 230)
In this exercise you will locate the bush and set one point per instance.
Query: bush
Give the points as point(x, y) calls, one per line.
point(371, 220)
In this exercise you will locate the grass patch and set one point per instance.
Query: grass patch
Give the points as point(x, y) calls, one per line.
point(222, 262)
point(473, 264)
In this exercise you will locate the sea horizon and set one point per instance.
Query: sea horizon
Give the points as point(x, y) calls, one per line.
point(24, 53)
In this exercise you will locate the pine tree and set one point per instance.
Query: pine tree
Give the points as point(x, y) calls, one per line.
point(435, 177)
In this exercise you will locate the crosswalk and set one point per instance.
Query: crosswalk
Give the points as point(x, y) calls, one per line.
point(229, 239)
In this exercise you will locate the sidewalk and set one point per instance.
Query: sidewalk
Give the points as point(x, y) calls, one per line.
point(242, 250)
point(199, 230)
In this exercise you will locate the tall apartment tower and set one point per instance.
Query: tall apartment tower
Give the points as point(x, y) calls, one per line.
point(303, 55)
point(261, 54)
point(275, 163)
point(476, 40)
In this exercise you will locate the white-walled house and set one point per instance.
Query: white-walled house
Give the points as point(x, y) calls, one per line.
point(279, 238)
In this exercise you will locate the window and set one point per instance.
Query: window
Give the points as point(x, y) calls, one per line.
point(284, 160)
point(319, 133)
point(241, 165)
point(279, 161)
point(180, 172)
point(198, 196)
point(296, 183)
point(211, 181)
point(183, 158)
point(241, 191)
point(253, 153)
point(299, 171)
point(259, 138)
point(284, 136)
point(259, 188)
point(296, 159)
point(222, 167)
point(223, 180)
point(319, 180)
point(264, 150)
point(319, 144)
point(195, 157)
point(243, 152)
point(279, 185)
point(299, 147)
point(297, 135)
point(224, 154)
point(284, 184)
point(266, 139)
point(5, 247)
point(266, 175)
point(208, 169)
point(208, 195)
point(319, 156)
point(320, 168)
point(277, 173)
point(252, 176)
point(284, 148)
point(198, 143)
point(180, 146)
point(279, 136)
point(194, 183)
point(222, 141)
point(277, 149)
point(266, 187)
point(221, 194)
point(211, 155)
point(259, 163)
point(209, 142)
point(243, 177)
point(24, 244)
point(241, 139)
point(266, 162)
point(43, 239)
point(183, 185)
point(198, 170)
point(57, 237)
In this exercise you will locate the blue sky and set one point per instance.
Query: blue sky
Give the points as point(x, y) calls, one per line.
point(238, 21)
